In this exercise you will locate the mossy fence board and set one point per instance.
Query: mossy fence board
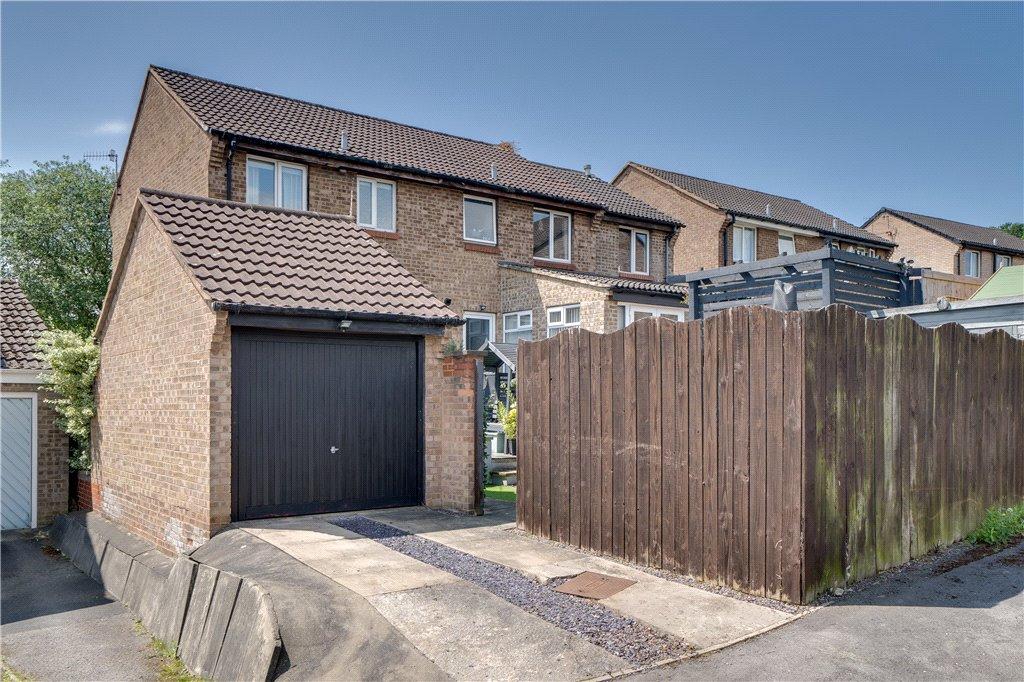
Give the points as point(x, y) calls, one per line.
point(781, 454)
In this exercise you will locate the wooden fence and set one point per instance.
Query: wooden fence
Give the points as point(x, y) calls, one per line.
point(781, 454)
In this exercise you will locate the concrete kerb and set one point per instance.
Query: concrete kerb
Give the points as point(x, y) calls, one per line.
point(223, 626)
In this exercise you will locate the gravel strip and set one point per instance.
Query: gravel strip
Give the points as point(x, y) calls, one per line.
point(625, 637)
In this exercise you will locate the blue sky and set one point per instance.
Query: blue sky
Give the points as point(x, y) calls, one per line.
point(845, 106)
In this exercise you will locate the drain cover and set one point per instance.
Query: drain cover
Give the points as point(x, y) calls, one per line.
point(594, 585)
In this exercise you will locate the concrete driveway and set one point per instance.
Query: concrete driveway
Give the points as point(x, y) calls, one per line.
point(471, 620)
point(935, 620)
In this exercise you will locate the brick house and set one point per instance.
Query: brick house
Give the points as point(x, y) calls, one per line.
point(261, 361)
point(33, 448)
point(484, 228)
point(947, 246)
point(724, 224)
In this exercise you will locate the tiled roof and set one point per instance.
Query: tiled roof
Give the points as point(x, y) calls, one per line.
point(763, 206)
point(972, 235)
point(594, 279)
point(20, 329)
point(257, 257)
point(507, 352)
point(266, 117)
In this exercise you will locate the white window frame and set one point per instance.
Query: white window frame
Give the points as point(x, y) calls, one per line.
point(515, 315)
point(782, 235)
point(551, 235)
point(739, 244)
point(373, 204)
point(494, 219)
point(633, 232)
point(1003, 261)
point(964, 261)
point(490, 317)
point(278, 165)
point(629, 309)
point(35, 449)
point(561, 324)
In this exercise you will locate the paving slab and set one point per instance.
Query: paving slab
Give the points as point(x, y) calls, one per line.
point(472, 634)
point(702, 618)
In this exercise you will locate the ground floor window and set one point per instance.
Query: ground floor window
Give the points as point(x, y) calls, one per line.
point(478, 330)
point(631, 312)
point(518, 325)
point(563, 317)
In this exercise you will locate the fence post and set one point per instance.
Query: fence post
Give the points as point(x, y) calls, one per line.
point(696, 309)
point(828, 267)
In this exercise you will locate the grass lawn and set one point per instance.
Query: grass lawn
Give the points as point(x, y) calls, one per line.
point(500, 492)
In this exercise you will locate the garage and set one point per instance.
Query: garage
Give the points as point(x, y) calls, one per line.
point(325, 422)
point(18, 452)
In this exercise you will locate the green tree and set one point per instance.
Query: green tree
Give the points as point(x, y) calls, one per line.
point(1016, 229)
point(55, 239)
point(73, 360)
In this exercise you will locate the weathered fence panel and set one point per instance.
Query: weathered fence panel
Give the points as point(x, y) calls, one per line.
point(781, 454)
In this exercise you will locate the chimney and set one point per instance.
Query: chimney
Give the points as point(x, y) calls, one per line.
point(343, 143)
point(586, 170)
point(494, 172)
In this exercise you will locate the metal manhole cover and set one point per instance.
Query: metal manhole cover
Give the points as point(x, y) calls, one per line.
point(594, 585)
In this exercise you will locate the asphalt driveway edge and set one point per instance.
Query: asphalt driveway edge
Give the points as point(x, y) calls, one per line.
point(225, 630)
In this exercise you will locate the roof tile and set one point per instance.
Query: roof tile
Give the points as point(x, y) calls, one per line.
point(20, 328)
point(275, 119)
point(973, 235)
point(265, 257)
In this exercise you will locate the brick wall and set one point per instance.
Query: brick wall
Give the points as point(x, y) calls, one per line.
point(52, 453)
point(453, 438)
point(698, 244)
point(536, 292)
point(926, 248)
point(161, 441)
point(167, 151)
point(428, 238)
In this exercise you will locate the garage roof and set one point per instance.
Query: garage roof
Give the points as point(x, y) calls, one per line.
point(20, 329)
point(274, 260)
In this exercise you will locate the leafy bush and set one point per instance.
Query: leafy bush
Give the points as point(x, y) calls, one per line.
point(1001, 524)
point(73, 362)
point(507, 416)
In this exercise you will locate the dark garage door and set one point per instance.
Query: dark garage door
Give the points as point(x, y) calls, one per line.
point(324, 423)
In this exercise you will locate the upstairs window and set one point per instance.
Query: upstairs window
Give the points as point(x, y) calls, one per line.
point(971, 263)
point(275, 183)
point(478, 330)
point(518, 325)
point(563, 317)
point(375, 204)
point(552, 235)
point(1002, 262)
point(787, 245)
point(744, 245)
point(478, 220)
point(634, 251)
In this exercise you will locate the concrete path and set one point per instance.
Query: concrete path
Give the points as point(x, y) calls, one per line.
point(58, 625)
point(470, 633)
point(924, 623)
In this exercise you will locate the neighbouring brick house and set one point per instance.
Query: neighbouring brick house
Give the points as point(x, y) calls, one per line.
point(947, 246)
point(261, 361)
point(33, 448)
point(480, 225)
point(724, 224)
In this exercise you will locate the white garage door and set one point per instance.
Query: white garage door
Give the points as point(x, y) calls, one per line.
point(17, 460)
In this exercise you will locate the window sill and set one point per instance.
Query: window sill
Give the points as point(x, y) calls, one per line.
point(379, 234)
point(481, 248)
point(557, 265)
point(639, 276)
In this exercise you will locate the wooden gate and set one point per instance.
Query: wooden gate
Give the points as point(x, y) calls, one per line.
point(777, 453)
